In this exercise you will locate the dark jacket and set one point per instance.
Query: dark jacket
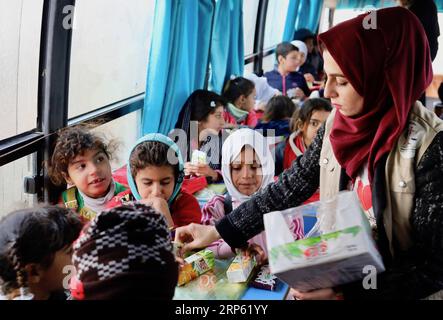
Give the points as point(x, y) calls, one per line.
point(280, 127)
point(414, 274)
point(426, 12)
point(293, 80)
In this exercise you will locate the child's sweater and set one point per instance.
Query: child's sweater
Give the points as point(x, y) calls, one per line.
point(184, 210)
point(72, 199)
point(214, 210)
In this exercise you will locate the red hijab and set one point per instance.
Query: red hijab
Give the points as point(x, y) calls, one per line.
point(390, 67)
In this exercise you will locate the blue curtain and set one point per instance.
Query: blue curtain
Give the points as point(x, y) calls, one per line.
point(361, 4)
point(293, 12)
point(227, 49)
point(302, 14)
point(178, 60)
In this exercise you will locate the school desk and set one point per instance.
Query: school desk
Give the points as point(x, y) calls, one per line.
point(214, 285)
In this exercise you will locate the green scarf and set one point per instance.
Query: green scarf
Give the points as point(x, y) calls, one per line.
point(237, 113)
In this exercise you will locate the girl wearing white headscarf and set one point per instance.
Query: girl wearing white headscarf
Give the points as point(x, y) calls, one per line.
point(305, 69)
point(245, 173)
point(264, 92)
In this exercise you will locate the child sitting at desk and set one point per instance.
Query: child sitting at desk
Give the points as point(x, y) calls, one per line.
point(155, 176)
point(247, 168)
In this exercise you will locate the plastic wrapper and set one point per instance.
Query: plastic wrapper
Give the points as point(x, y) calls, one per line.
point(336, 251)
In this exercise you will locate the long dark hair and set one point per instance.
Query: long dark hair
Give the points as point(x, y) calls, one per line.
point(33, 236)
point(199, 105)
point(278, 108)
point(235, 88)
point(303, 114)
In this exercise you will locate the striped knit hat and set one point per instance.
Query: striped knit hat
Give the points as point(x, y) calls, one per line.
point(125, 253)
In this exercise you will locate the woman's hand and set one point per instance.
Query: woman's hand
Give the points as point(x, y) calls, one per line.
point(196, 236)
point(160, 205)
point(320, 294)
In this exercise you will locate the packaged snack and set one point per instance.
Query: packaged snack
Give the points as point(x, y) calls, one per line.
point(198, 157)
point(241, 268)
point(195, 266)
point(265, 279)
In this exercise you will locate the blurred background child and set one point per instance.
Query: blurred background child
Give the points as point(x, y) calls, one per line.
point(35, 247)
point(277, 115)
point(201, 119)
point(240, 94)
point(285, 76)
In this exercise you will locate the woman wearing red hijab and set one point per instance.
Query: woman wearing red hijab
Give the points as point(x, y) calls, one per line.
point(380, 142)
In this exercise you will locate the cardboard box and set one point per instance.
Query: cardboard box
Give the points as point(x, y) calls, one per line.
point(195, 266)
point(328, 258)
point(240, 268)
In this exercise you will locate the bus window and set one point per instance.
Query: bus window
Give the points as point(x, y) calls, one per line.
point(20, 24)
point(12, 176)
point(110, 50)
point(275, 25)
point(250, 10)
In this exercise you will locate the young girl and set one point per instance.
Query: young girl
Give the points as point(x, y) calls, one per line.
point(285, 77)
point(35, 246)
point(155, 176)
point(247, 168)
point(81, 159)
point(305, 123)
point(240, 94)
point(278, 112)
point(201, 119)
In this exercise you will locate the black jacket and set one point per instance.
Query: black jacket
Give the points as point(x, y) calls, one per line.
point(426, 12)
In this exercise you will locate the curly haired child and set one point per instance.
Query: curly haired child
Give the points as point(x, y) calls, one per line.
point(81, 159)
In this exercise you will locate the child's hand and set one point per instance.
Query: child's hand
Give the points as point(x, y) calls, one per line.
point(258, 252)
point(298, 93)
point(191, 169)
point(160, 205)
point(200, 170)
point(309, 77)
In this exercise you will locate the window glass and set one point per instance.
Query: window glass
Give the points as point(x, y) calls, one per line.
point(110, 49)
point(269, 63)
point(275, 24)
point(12, 195)
point(20, 30)
point(250, 10)
point(112, 131)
